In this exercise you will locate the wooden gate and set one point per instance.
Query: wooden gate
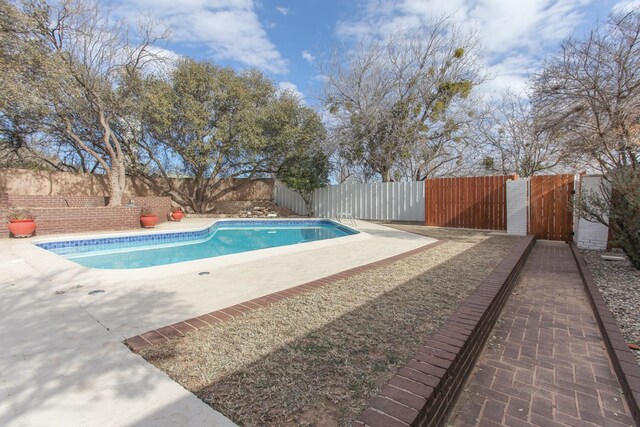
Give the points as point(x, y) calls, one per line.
point(550, 214)
point(475, 202)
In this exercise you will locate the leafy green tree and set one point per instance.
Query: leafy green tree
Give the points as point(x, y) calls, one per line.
point(305, 173)
point(21, 110)
point(217, 127)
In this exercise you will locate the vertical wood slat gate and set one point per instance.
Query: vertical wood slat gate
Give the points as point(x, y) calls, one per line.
point(550, 214)
point(473, 202)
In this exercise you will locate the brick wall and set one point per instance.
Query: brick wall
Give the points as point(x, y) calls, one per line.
point(160, 206)
point(66, 220)
point(66, 214)
point(4, 231)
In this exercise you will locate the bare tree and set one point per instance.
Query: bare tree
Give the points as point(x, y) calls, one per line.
point(513, 141)
point(449, 152)
point(590, 93)
point(400, 100)
point(85, 68)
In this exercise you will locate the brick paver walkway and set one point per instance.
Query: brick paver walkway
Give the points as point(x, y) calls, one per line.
point(546, 364)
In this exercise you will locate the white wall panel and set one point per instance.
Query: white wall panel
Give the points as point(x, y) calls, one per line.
point(392, 201)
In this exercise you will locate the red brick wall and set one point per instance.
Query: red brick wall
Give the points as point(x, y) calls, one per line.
point(66, 214)
point(160, 206)
point(66, 220)
point(4, 231)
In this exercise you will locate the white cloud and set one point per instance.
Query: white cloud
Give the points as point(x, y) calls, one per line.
point(515, 34)
point(229, 29)
point(166, 63)
point(626, 6)
point(165, 54)
point(291, 88)
point(309, 57)
point(283, 10)
point(511, 72)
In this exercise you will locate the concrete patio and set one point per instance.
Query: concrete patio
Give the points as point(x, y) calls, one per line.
point(64, 362)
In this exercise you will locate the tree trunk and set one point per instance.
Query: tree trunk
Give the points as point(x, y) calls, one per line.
point(308, 203)
point(117, 183)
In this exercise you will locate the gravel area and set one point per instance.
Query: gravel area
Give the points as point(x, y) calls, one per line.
point(619, 282)
point(318, 358)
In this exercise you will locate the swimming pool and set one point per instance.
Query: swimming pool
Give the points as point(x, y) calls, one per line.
point(222, 238)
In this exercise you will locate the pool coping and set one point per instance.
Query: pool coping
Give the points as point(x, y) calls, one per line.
point(75, 249)
point(423, 392)
point(155, 234)
point(179, 329)
point(624, 362)
point(74, 271)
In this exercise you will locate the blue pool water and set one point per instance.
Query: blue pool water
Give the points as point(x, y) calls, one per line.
point(222, 238)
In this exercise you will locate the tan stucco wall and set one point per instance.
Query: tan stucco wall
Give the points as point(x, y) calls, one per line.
point(42, 183)
point(45, 183)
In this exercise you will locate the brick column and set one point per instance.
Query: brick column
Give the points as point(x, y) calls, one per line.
point(517, 206)
point(4, 210)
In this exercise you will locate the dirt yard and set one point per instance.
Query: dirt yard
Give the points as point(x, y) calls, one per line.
point(318, 358)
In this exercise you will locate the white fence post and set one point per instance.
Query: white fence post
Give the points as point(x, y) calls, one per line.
point(517, 206)
point(591, 235)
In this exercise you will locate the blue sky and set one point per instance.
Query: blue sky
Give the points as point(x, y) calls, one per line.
point(288, 38)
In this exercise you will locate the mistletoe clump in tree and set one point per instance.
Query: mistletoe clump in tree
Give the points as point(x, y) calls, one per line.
point(399, 106)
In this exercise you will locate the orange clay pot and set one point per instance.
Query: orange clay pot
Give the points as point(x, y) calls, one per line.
point(22, 227)
point(148, 221)
point(177, 215)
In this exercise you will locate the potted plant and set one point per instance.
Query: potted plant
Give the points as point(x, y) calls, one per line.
point(177, 214)
point(147, 218)
point(21, 223)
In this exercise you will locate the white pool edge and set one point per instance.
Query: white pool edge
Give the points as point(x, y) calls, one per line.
point(150, 232)
point(67, 270)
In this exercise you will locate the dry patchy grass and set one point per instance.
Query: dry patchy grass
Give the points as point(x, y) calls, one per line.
point(318, 358)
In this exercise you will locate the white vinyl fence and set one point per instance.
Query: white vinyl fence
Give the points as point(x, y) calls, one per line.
point(392, 201)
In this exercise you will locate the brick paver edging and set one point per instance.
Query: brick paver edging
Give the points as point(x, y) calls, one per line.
point(624, 362)
point(423, 392)
point(179, 329)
